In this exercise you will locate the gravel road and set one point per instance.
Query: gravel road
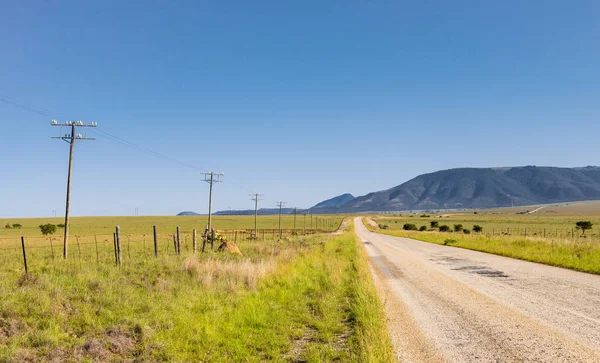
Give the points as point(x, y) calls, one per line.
point(447, 304)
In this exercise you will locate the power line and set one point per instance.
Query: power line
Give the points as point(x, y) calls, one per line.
point(49, 113)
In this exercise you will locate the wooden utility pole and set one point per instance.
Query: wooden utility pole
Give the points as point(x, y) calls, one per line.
point(256, 197)
point(304, 224)
point(280, 204)
point(70, 138)
point(295, 209)
point(211, 177)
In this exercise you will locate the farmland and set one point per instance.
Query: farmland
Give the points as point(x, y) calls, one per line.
point(546, 237)
point(302, 298)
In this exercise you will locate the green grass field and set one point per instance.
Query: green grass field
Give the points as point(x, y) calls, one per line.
point(549, 239)
point(306, 298)
point(141, 225)
point(553, 225)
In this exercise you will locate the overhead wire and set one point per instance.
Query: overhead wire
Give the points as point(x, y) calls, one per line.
point(49, 113)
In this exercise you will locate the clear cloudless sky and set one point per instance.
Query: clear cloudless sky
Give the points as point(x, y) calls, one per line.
point(298, 100)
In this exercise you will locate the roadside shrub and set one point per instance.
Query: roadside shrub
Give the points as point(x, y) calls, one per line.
point(466, 231)
point(47, 228)
point(444, 228)
point(584, 226)
point(458, 228)
point(449, 241)
point(384, 226)
point(410, 227)
point(477, 228)
point(434, 224)
point(423, 228)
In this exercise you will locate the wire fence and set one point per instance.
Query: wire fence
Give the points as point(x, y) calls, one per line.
point(39, 252)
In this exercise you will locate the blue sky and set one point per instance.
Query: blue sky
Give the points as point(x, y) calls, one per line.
point(300, 101)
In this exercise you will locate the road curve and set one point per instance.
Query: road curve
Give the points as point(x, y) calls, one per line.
point(448, 304)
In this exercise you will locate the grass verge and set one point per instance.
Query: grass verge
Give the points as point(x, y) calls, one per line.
point(580, 255)
point(301, 300)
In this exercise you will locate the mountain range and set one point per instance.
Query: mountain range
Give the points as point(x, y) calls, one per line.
point(469, 188)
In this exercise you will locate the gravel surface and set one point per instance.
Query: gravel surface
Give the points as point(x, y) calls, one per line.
point(455, 305)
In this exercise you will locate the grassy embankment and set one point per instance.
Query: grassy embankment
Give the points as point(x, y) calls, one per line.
point(310, 298)
point(577, 253)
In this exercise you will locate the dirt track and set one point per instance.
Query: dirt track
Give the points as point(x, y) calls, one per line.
point(453, 305)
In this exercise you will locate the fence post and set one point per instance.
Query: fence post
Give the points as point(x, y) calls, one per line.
point(97, 254)
point(178, 241)
point(155, 241)
point(194, 240)
point(24, 255)
point(78, 251)
point(52, 249)
point(115, 247)
point(118, 239)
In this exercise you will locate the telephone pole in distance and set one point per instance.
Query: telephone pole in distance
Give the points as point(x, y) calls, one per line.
point(256, 197)
point(211, 177)
point(71, 138)
point(280, 204)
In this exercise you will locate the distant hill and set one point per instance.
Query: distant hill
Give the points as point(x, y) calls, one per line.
point(334, 202)
point(466, 188)
point(483, 188)
point(188, 213)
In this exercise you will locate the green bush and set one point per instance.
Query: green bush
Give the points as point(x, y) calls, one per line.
point(584, 226)
point(466, 231)
point(458, 228)
point(434, 224)
point(477, 228)
point(47, 228)
point(60, 225)
point(423, 228)
point(444, 228)
point(410, 227)
point(17, 225)
point(7, 226)
point(384, 226)
point(449, 241)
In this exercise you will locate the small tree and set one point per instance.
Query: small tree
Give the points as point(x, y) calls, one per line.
point(60, 225)
point(466, 231)
point(444, 228)
point(584, 226)
point(47, 228)
point(17, 225)
point(477, 228)
point(458, 228)
point(410, 227)
point(423, 228)
point(434, 224)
